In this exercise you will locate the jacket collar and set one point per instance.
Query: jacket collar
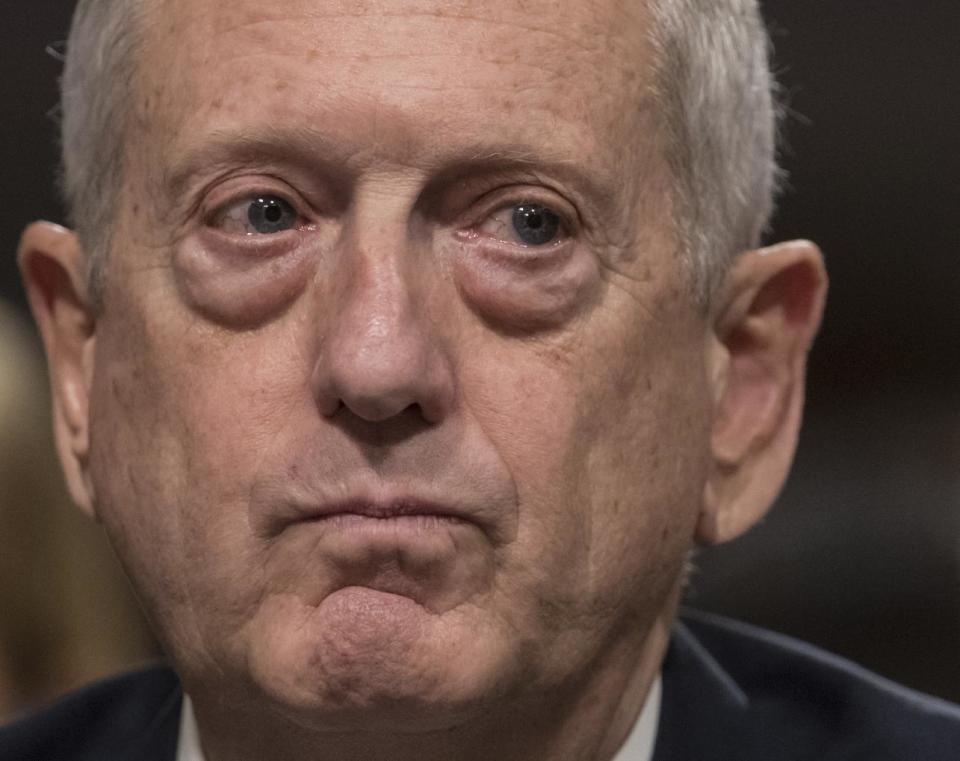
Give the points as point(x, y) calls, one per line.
point(704, 712)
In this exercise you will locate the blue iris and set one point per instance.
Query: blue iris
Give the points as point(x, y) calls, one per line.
point(269, 214)
point(535, 224)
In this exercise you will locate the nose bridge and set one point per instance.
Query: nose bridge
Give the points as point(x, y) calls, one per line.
point(381, 354)
point(378, 326)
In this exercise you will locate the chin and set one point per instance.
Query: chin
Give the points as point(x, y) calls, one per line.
point(364, 656)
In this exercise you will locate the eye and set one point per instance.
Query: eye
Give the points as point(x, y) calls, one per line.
point(530, 224)
point(262, 215)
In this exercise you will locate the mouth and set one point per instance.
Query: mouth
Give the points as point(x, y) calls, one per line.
point(432, 551)
point(411, 526)
point(400, 515)
point(406, 514)
point(398, 508)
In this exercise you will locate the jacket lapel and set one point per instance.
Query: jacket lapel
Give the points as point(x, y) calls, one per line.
point(158, 741)
point(703, 714)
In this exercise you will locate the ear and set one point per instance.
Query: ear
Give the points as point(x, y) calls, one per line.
point(51, 266)
point(763, 326)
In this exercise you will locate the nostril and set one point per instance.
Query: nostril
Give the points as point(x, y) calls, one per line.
point(329, 407)
point(376, 435)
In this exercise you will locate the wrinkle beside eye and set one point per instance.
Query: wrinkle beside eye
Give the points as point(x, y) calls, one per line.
point(622, 281)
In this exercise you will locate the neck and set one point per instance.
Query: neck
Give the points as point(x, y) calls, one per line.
point(589, 721)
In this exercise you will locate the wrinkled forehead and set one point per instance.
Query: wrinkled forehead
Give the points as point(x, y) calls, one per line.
point(400, 76)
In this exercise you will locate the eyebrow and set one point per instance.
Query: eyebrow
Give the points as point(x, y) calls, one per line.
point(312, 149)
point(220, 148)
point(594, 182)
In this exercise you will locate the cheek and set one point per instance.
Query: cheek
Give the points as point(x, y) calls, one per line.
point(528, 406)
point(179, 428)
point(606, 441)
point(646, 470)
point(648, 460)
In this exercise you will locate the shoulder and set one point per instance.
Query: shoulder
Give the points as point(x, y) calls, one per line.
point(791, 700)
point(111, 720)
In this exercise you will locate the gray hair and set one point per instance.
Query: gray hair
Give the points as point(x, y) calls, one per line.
point(96, 96)
point(713, 84)
point(717, 103)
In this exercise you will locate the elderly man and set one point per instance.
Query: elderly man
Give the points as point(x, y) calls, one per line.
point(405, 350)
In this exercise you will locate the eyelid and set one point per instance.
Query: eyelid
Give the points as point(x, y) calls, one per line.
point(563, 233)
point(518, 195)
point(501, 201)
point(222, 199)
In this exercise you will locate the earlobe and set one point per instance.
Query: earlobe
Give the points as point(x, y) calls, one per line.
point(764, 326)
point(51, 265)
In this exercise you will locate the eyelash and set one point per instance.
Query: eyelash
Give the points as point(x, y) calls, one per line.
point(216, 217)
point(563, 230)
point(496, 201)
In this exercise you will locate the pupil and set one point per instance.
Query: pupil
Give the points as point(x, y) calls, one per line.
point(273, 213)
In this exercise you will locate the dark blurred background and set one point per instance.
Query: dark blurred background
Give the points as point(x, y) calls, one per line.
point(862, 552)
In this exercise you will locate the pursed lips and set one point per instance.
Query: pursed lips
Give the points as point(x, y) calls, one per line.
point(401, 514)
point(280, 506)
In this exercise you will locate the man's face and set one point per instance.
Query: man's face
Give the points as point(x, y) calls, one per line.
point(400, 396)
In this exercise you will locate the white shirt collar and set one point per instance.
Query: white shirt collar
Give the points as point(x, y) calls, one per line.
point(643, 736)
point(188, 744)
point(638, 746)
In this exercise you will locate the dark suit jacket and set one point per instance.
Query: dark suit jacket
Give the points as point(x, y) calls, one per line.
point(730, 692)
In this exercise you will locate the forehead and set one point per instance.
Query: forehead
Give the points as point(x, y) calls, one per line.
point(399, 77)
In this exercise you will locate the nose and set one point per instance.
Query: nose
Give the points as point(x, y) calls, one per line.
point(382, 355)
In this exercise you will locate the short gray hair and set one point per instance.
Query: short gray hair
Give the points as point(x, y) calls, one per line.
point(713, 84)
point(717, 102)
point(96, 97)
